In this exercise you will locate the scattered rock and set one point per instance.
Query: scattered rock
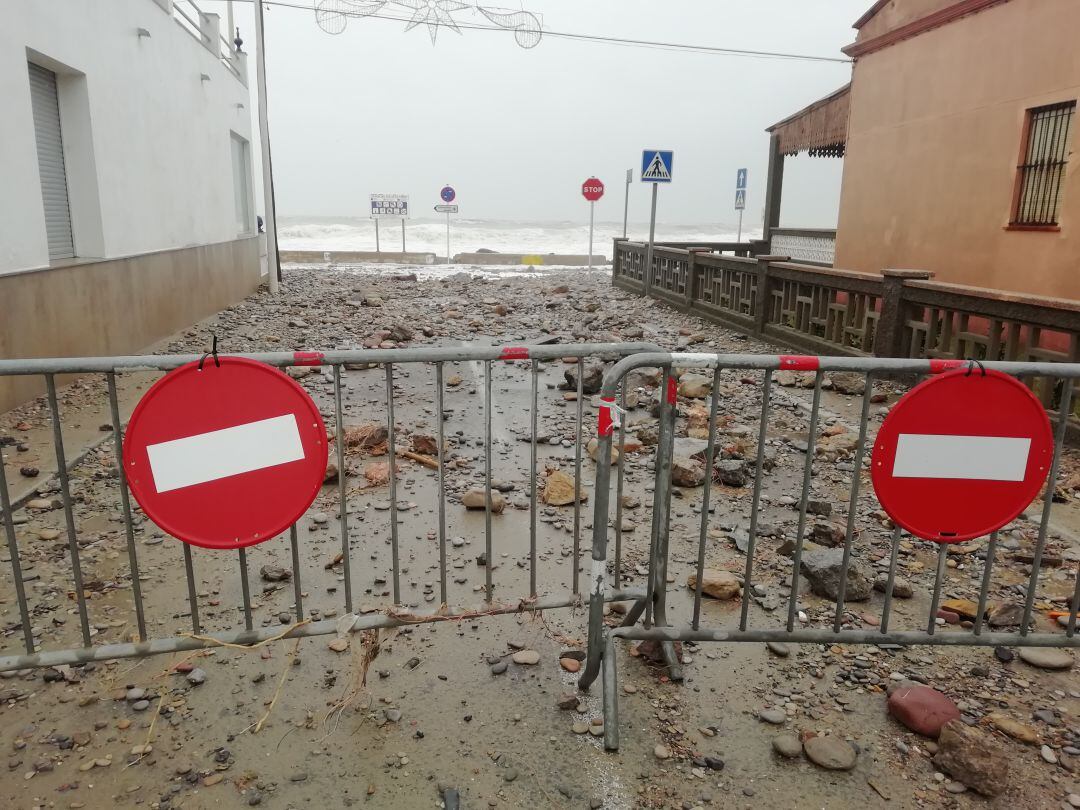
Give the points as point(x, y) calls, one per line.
point(559, 489)
point(922, 709)
point(274, 573)
point(526, 657)
point(776, 717)
point(686, 472)
point(717, 583)
point(475, 499)
point(778, 648)
point(662, 752)
point(902, 588)
point(1013, 728)
point(972, 758)
point(822, 570)
point(695, 386)
point(1046, 657)
point(787, 746)
point(830, 753)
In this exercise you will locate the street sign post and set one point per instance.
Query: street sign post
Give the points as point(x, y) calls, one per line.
point(447, 195)
point(740, 197)
point(592, 190)
point(961, 455)
point(656, 166)
point(626, 200)
point(225, 453)
point(389, 206)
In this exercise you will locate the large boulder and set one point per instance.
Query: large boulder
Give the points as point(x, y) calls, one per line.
point(922, 709)
point(717, 583)
point(972, 758)
point(822, 569)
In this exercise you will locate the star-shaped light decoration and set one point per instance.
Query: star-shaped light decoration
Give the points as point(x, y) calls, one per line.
point(433, 13)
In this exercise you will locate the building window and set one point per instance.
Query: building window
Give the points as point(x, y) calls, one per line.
point(1042, 167)
point(241, 166)
point(44, 101)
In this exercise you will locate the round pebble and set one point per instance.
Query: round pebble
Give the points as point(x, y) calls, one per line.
point(774, 716)
point(526, 657)
point(787, 745)
point(830, 753)
point(662, 751)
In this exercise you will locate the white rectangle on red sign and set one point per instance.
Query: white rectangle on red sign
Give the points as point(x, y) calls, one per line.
point(223, 453)
point(977, 458)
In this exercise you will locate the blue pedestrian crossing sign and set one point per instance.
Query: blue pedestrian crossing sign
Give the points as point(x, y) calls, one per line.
point(740, 199)
point(740, 179)
point(656, 166)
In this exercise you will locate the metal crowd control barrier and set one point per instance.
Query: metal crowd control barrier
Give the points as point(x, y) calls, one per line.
point(601, 650)
point(386, 617)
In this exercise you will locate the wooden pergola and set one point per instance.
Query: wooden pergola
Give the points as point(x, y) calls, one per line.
point(820, 130)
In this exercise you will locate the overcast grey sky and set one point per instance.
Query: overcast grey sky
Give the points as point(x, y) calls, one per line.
point(378, 109)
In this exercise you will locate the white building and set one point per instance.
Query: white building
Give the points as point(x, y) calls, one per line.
point(126, 207)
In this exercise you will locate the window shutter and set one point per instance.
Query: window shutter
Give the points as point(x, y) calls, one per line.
point(50, 152)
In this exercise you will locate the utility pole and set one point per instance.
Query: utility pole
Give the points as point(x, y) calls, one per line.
point(269, 216)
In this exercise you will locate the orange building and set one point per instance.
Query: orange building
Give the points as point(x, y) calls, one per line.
point(957, 133)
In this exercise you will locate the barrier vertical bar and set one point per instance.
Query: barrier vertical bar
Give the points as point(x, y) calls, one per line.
point(390, 440)
point(298, 591)
point(533, 476)
point(811, 439)
point(763, 426)
point(125, 504)
point(984, 590)
point(1048, 501)
point(856, 480)
point(193, 605)
point(710, 450)
point(69, 516)
point(442, 481)
point(577, 467)
point(935, 601)
point(894, 552)
point(245, 588)
point(662, 506)
point(343, 514)
point(13, 553)
point(619, 487)
point(1070, 629)
point(487, 481)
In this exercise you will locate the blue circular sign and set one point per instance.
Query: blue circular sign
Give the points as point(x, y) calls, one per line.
point(448, 194)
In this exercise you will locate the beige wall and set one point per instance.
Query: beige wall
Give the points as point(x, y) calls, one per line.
point(900, 12)
point(933, 142)
point(116, 306)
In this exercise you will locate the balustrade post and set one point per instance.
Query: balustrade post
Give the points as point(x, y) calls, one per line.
point(764, 294)
point(693, 271)
point(889, 337)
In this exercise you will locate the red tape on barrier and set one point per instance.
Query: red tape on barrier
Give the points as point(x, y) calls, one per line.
point(606, 424)
point(799, 362)
point(938, 366)
point(514, 353)
point(672, 391)
point(308, 358)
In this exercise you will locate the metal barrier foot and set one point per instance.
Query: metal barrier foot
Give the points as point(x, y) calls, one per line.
point(671, 659)
point(611, 696)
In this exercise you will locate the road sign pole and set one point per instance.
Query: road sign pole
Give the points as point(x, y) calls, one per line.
point(652, 235)
point(448, 237)
point(626, 200)
point(592, 209)
point(739, 238)
point(403, 234)
point(269, 214)
point(377, 250)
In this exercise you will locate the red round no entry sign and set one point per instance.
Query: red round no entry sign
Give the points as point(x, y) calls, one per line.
point(226, 456)
point(961, 454)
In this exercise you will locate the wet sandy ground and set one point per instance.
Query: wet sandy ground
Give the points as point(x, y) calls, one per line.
point(498, 739)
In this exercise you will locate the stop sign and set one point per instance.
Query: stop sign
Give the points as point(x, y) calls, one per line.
point(592, 189)
point(225, 456)
point(962, 454)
